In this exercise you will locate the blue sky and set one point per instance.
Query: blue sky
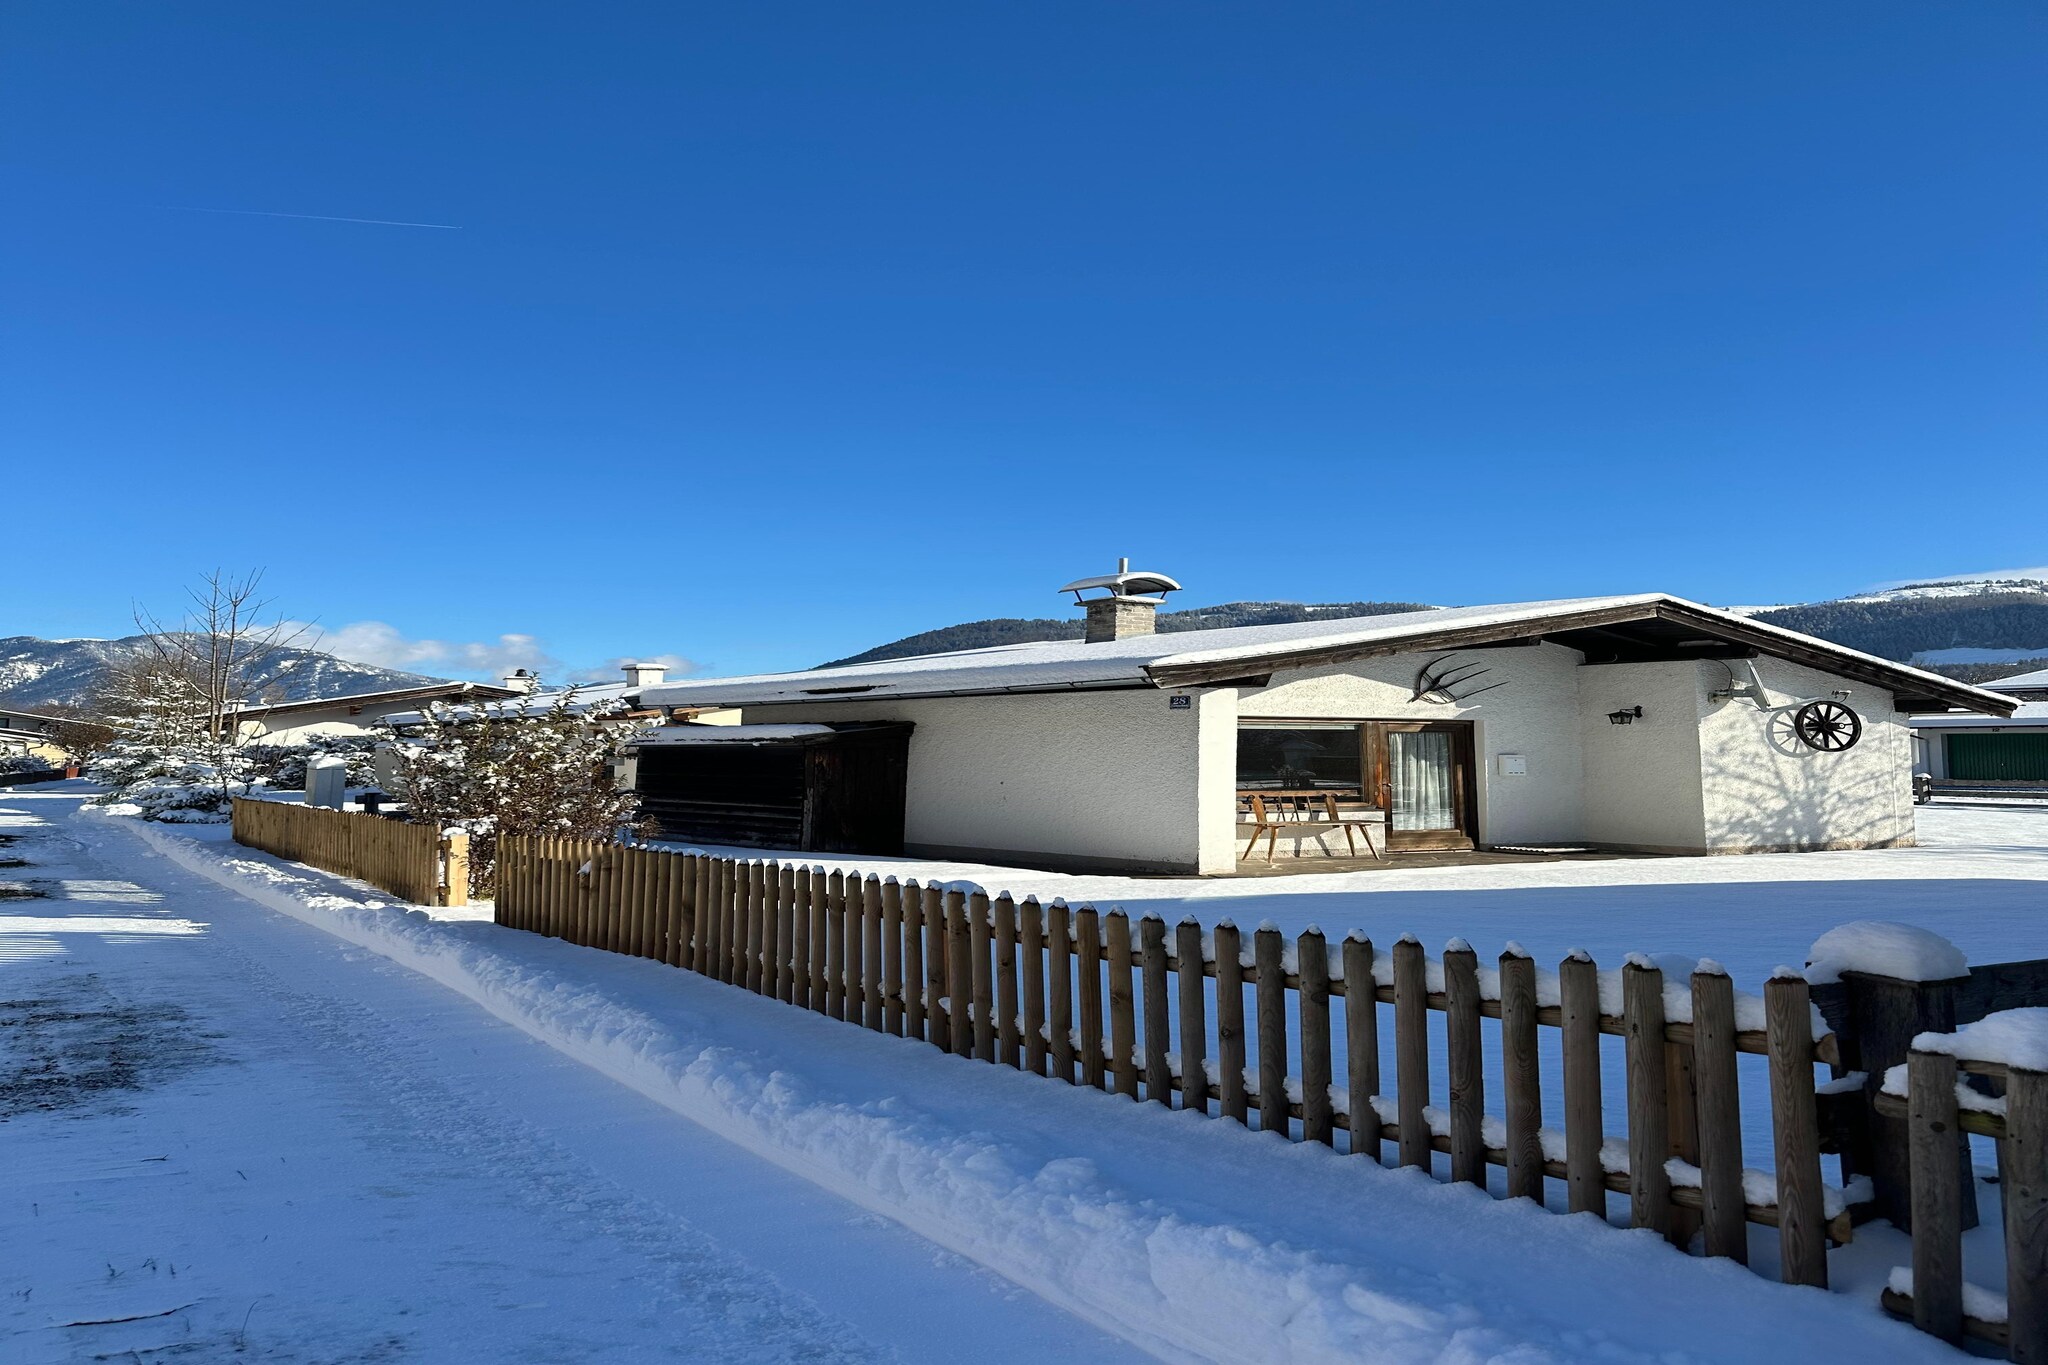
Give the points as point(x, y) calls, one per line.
point(774, 331)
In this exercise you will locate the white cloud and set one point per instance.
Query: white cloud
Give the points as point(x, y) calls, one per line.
point(374, 642)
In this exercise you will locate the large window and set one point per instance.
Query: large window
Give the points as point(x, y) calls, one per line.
point(1300, 758)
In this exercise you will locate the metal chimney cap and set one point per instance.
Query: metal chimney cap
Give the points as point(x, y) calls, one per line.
point(1124, 582)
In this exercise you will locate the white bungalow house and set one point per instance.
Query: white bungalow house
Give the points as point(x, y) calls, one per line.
point(1644, 722)
point(359, 713)
point(31, 733)
point(1994, 750)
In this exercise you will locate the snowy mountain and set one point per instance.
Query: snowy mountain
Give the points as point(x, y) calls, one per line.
point(36, 672)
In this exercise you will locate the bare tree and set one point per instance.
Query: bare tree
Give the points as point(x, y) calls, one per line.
point(224, 650)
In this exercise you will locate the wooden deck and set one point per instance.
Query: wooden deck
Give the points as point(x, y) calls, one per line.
point(1313, 862)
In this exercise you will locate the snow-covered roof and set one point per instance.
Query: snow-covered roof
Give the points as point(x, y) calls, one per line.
point(2030, 715)
point(1188, 658)
point(2020, 682)
point(518, 706)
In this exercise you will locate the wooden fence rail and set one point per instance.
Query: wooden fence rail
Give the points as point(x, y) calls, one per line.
point(416, 862)
point(1937, 1103)
point(1073, 993)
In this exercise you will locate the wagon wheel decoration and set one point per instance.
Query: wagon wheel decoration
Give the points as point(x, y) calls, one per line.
point(1827, 725)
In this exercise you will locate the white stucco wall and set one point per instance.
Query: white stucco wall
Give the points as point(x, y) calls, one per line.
point(1085, 778)
point(1534, 715)
point(1763, 789)
point(1642, 780)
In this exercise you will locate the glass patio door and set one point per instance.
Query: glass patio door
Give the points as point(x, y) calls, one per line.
point(1425, 776)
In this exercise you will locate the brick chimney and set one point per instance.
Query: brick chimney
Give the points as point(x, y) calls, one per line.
point(1122, 604)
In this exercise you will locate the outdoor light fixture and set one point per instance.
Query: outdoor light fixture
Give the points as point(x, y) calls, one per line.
point(1627, 715)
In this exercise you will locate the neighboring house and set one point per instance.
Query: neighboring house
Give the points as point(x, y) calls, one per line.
point(293, 722)
point(1995, 750)
point(33, 733)
point(1643, 722)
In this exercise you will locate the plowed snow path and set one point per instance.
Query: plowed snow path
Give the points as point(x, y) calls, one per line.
point(245, 1136)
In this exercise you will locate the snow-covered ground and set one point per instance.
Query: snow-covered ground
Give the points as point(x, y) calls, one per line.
point(343, 1160)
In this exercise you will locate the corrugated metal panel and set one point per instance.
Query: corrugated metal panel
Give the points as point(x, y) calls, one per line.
point(1998, 758)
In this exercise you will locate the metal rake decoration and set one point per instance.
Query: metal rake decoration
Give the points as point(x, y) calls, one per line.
point(1445, 681)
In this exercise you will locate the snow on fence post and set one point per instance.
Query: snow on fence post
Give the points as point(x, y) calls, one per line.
point(1932, 1123)
point(2024, 1187)
point(1031, 948)
point(1720, 1113)
point(913, 960)
point(871, 952)
point(981, 977)
point(1649, 1133)
point(1411, 1050)
point(1088, 978)
point(1059, 990)
point(1230, 1023)
point(1361, 1045)
point(1194, 1024)
point(1009, 1043)
point(1585, 1177)
point(892, 958)
point(1123, 1024)
point(1795, 1127)
point(1318, 1120)
point(1521, 1074)
point(1152, 966)
point(1467, 1073)
point(1269, 989)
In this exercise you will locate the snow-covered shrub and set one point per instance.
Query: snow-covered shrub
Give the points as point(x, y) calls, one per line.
point(283, 766)
point(504, 770)
point(11, 763)
point(166, 762)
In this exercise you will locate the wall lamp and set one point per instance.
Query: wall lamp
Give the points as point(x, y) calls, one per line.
point(1627, 715)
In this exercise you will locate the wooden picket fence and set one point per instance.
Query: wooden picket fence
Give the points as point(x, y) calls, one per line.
point(1937, 1106)
point(416, 862)
point(1090, 998)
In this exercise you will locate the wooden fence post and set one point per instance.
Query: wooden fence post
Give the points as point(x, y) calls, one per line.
point(1009, 1042)
point(1724, 1209)
point(854, 908)
point(960, 973)
point(1584, 1131)
point(1059, 989)
point(1032, 948)
point(1269, 990)
point(892, 957)
point(787, 976)
point(871, 952)
point(2024, 1188)
point(1411, 1049)
point(1191, 978)
point(1649, 1132)
point(913, 960)
point(1230, 1024)
point(1312, 955)
point(1123, 1022)
point(981, 976)
point(937, 1022)
point(1088, 978)
point(1937, 1214)
point(1883, 1016)
point(1795, 1126)
point(1521, 1075)
point(820, 936)
point(1361, 1045)
point(835, 944)
point(1464, 1062)
point(1152, 971)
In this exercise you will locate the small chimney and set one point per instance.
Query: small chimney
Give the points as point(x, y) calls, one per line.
point(1125, 604)
point(645, 675)
point(519, 680)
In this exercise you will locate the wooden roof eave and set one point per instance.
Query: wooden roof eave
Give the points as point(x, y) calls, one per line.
point(1902, 682)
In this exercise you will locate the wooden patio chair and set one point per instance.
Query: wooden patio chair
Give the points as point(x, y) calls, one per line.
point(1302, 812)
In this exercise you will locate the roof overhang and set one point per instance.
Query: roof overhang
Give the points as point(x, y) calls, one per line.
point(1664, 629)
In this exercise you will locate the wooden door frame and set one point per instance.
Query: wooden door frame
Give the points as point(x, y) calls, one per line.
point(1464, 784)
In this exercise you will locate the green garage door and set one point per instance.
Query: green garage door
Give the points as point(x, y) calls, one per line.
point(1998, 758)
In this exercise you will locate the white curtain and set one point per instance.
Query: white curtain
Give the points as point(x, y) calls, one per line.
point(1421, 773)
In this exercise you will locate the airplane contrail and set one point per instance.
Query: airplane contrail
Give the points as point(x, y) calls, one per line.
point(316, 217)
